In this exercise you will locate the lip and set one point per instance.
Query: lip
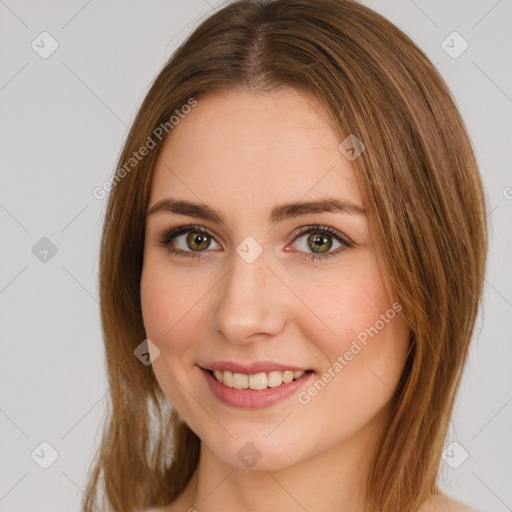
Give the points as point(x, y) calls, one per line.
point(251, 398)
point(252, 368)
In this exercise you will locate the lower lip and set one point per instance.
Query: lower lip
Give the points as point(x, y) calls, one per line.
point(251, 398)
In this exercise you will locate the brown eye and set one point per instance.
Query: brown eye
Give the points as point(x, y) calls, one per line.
point(198, 241)
point(187, 240)
point(319, 243)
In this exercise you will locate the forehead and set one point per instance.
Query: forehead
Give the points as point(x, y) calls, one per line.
point(236, 146)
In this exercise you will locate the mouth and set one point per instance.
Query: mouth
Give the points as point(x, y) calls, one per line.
point(254, 390)
point(256, 381)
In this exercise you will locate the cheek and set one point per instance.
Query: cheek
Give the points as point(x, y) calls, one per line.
point(346, 307)
point(362, 337)
point(363, 362)
point(168, 316)
point(167, 306)
point(156, 303)
point(175, 306)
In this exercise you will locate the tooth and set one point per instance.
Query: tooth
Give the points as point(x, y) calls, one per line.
point(287, 376)
point(258, 381)
point(228, 379)
point(240, 381)
point(274, 379)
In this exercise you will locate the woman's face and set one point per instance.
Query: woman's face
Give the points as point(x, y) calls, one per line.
point(258, 287)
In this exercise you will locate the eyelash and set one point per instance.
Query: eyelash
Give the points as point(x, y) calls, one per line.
point(165, 238)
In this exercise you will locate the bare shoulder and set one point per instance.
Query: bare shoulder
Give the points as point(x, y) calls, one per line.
point(441, 503)
point(175, 506)
point(168, 508)
point(445, 503)
point(164, 509)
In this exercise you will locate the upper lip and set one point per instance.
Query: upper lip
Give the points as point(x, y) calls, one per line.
point(252, 368)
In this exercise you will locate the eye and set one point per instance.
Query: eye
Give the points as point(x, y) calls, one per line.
point(192, 241)
point(187, 240)
point(320, 241)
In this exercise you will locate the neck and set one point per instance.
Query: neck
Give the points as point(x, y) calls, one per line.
point(333, 479)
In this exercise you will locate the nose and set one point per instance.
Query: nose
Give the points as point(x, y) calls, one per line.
point(250, 302)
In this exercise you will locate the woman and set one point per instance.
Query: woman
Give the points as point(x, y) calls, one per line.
point(291, 268)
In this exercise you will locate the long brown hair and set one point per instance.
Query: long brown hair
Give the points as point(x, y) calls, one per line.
point(426, 209)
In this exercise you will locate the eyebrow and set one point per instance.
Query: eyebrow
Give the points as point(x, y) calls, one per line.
point(278, 213)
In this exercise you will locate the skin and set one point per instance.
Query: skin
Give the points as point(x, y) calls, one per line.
point(242, 153)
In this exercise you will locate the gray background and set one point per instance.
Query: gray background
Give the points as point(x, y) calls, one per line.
point(63, 122)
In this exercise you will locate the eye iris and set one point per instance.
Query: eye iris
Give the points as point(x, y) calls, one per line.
point(198, 239)
point(318, 241)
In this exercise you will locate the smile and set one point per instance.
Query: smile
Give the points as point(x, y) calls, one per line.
point(254, 390)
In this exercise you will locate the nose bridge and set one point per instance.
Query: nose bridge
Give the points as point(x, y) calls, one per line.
point(248, 299)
